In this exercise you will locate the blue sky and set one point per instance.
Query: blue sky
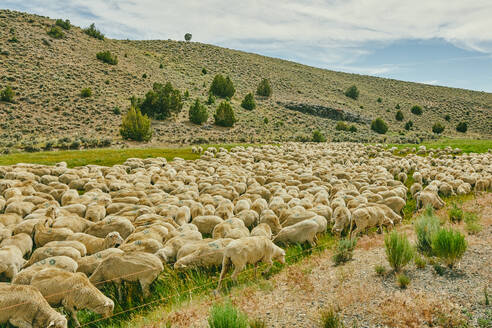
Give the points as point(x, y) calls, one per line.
point(442, 42)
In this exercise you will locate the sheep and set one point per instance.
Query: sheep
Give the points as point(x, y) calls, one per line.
point(73, 291)
point(19, 207)
point(172, 246)
point(368, 217)
point(259, 205)
point(146, 245)
point(429, 198)
point(183, 215)
point(95, 211)
point(46, 252)
point(68, 243)
point(27, 308)
point(22, 241)
point(43, 235)
point(415, 188)
point(88, 264)
point(446, 189)
point(136, 266)
point(11, 261)
point(102, 228)
point(270, 218)
point(249, 217)
point(230, 228)
point(95, 244)
point(25, 276)
point(341, 218)
point(5, 233)
point(262, 229)
point(205, 255)
point(206, 223)
point(395, 203)
point(10, 219)
point(298, 233)
point(157, 232)
point(249, 250)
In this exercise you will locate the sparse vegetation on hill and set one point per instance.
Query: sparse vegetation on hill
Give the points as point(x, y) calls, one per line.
point(438, 128)
point(7, 94)
point(416, 110)
point(462, 127)
point(64, 24)
point(264, 89)
point(55, 32)
point(352, 92)
point(94, 32)
point(318, 136)
point(107, 57)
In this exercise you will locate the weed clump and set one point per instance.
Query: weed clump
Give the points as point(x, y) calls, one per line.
point(399, 251)
point(198, 113)
point(86, 93)
point(224, 115)
point(352, 92)
point(471, 223)
point(344, 251)
point(55, 32)
point(403, 280)
point(449, 245)
point(399, 116)
point(227, 316)
point(425, 228)
point(437, 128)
point(107, 57)
point(331, 319)
point(419, 262)
point(455, 213)
point(264, 89)
point(64, 24)
point(380, 270)
point(408, 125)
point(318, 136)
point(462, 127)
point(136, 126)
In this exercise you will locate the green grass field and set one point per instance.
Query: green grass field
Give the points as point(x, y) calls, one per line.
point(467, 145)
point(105, 156)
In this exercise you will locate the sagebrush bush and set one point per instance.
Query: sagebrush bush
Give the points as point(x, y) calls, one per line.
point(455, 213)
point(318, 136)
point(352, 128)
point(471, 223)
point(416, 110)
point(198, 113)
point(227, 316)
point(344, 251)
point(55, 32)
point(64, 24)
point(248, 102)
point(425, 228)
point(352, 92)
point(94, 32)
point(449, 245)
point(264, 89)
point(341, 126)
point(437, 128)
point(408, 125)
point(379, 126)
point(379, 100)
point(462, 127)
point(399, 251)
point(447, 117)
point(403, 280)
point(331, 319)
point(210, 99)
point(107, 57)
point(86, 93)
point(399, 116)
point(136, 126)
point(224, 115)
point(160, 102)
point(7, 94)
point(222, 86)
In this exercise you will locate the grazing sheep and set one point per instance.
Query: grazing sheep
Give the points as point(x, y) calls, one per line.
point(88, 264)
point(269, 217)
point(27, 308)
point(298, 233)
point(95, 244)
point(395, 203)
point(43, 235)
point(415, 188)
point(69, 243)
point(205, 255)
point(230, 228)
point(137, 266)
point(102, 228)
point(368, 217)
point(429, 198)
point(262, 229)
point(22, 241)
point(249, 250)
point(11, 261)
point(206, 223)
point(341, 219)
point(172, 246)
point(60, 262)
point(145, 245)
point(73, 291)
point(46, 252)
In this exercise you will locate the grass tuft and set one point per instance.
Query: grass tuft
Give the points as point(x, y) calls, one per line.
point(449, 245)
point(227, 316)
point(399, 251)
point(331, 319)
point(344, 251)
point(425, 227)
point(403, 280)
point(380, 269)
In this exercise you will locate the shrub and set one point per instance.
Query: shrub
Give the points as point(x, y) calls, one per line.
point(94, 32)
point(107, 57)
point(416, 110)
point(161, 65)
point(425, 228)
point(447, 117)
point(318, 136)
point(249, 102)
point(264, 89)
point(7, 94)
point(449, 245)
point(136, 126)
point(397, 106)
point(379, 126)
point(380, 269)
point(265, 120)
point(403, 280)
point(331, 319)
point(224, 115)
point(455, 213)
point(204, 71)
point(352, 92)
point(55, 32)
point(86, 93)
point(257, 323)
point(116, 110)
point(144, 75)
point(198, 113)
point(399, 116)
point(408, 125)
point(344, 251)
point(419, 262)
point(398, 250)
point(379, 100)
point(186, 94)
point(438, 128)
point(222, 87)
point(352, 128)
point(462, 127)
point(341, 126)
point(439, 269)
point(211, 99)
point(188, 37)
point(227, 316)
point(471, 223)
point(160, 102)
point(64, 24)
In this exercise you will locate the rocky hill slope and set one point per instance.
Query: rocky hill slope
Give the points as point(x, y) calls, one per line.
point(48, 74)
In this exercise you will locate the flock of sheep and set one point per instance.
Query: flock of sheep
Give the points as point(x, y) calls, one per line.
point(64, 232)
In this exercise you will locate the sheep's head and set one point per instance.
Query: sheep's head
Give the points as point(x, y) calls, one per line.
point(59, 322)
point(114, 239)
point(105, 309)
point(279, 254)
point(161, 254)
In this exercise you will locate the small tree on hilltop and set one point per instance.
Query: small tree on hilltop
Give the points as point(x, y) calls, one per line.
point(249, 102)
point(438, 128)
point(352, 92)
point(224, 115)
point(198, 113)
point(136, 126)
point(399, 116)
point(188, 37)
point(222, 87)
point(264, 89)
point(379, 126)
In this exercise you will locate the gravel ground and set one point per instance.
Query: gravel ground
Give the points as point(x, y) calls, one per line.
point(296, 296)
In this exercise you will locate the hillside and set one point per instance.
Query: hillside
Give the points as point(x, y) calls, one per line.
point(48, 75)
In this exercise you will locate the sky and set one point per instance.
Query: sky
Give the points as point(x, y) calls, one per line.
point(440, 42)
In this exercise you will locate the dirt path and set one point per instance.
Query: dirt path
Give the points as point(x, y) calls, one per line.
point(296, 296)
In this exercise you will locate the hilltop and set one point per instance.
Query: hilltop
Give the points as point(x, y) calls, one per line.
point(48, 74)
